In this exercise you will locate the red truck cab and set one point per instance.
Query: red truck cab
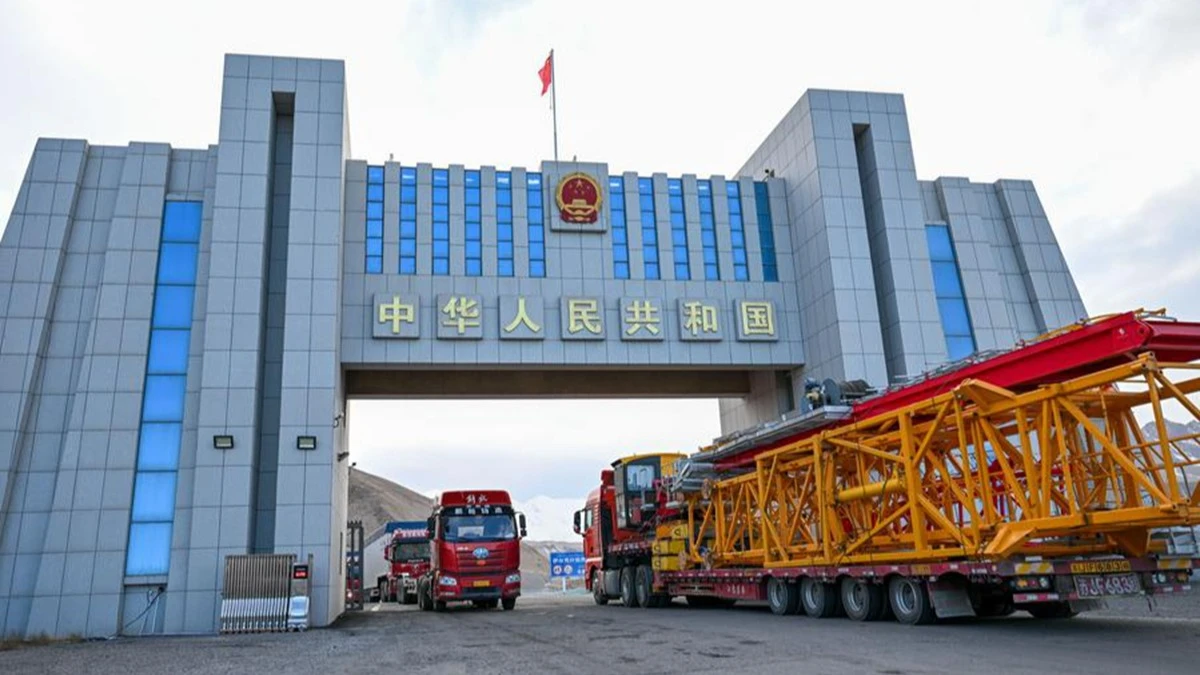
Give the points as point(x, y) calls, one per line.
point(407, 555)
point(475, 542)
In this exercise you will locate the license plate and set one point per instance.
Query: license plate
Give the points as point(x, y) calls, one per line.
point(482, 583)
point(1095, 586)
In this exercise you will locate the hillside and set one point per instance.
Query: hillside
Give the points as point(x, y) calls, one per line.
point(375, 500)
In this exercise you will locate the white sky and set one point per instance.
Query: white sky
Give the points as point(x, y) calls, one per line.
point(1094, 101)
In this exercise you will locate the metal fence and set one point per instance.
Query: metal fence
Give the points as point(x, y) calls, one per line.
point(256, 593)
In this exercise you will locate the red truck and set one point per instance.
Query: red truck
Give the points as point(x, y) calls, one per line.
point(406, 554)
point(475, 539)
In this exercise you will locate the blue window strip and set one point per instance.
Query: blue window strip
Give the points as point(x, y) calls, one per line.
point(374, 234)
point(473, 228)
point(164, 393)
point(766, 233)
point(737, 231)
point(679, 242)
point(947, 286)
point(504, 227)
point(535, 215)
point(650, 262)
point(440, 196)
point(408, 220)
point(620, 227)
point(708, 231)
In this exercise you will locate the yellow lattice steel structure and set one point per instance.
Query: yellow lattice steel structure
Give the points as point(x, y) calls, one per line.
point(979, 472)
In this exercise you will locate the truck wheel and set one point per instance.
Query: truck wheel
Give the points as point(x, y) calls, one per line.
point(598, 588)
point(628, 593)
point(863, 601)
point(820, 599)
point(508, 604)
point(782, 596)
point(910, 601)
point(643, 586)
point(1051, 610)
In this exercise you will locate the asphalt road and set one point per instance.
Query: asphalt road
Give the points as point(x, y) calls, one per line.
point(551, 634)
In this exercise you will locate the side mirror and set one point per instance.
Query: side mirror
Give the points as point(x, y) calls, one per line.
point(577, 519)
point(430, 527)
point(521, 524)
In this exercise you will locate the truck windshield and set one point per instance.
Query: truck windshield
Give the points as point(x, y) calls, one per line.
point(479, 528)
point(416, 550)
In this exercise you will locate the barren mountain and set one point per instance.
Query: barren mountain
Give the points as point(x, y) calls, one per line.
point(375, 500)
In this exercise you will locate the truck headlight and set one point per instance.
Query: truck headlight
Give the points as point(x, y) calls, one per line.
point(447, 581)
point(513, 578)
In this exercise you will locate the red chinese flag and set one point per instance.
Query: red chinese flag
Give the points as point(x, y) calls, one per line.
point(546, 73)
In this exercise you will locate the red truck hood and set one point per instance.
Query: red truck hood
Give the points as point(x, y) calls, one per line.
point(466, 557)
point(413, 569)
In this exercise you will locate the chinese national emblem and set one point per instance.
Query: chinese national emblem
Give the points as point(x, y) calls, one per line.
point(578, 198)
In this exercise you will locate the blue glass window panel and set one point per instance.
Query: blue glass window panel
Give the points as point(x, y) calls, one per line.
point(408, 229)
point(408, 194)
point(375, 193)
point(471, 178)
point(537, 268)
point(503, 178)
point(441, 213)
point(471, 197)
point(616, 183)
point(441, 177)
point(158, 446)
point(650, 255)
point(770, 273)
point(408, 212)
point(153, 496)
point(737, 238)
point(706, 219)
point(504, 231)
point(945, 280)
point(441, 195)
point(681, 271)
point(474, 231)
point(441, 230)
point(537, 250)
point(621, 255)
point(645, 185)
point(710, 257)
point(679, 238)
point(408, 175)
point(374, 247)
point(938, 238)
point(649, 238)
point(168, 352)
point(474, 267)
point(735, 207)
point(181, 221)
point(537, 234)
point(959, 347)
point(739, 257)
point(740, 273)
point(675, 202)
point(173, 307)
point(474, 249)
point(149, 549)
point(375, 210)
point(651, 270)
point(408, 247)
point(163, 399)
point(954, 317)
point(408, 266)
point(533, 179)
point(374, 228)
point(441, 249)
point(621, 270)
point(374, 264)
point(674, 186)
point(504, 268)
point(535, 214)
point(503, 197)
point(646, 202)
point(618, 198)
point(441, 266)
point(374, 174)
point(708, 239)
point(473, 214)
point(677, 219)
point(504, 214)
point(177, 263)
point(711, 272)
point(505, 249)
point(619, 236)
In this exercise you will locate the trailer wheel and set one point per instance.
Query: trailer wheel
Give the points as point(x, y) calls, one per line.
point(598, 588)
point(863, 601)
point(910, 601)
point(643, 587)
point(819, 598)
point(628, 590)
point(508, 604)
point(1051, 610)
point(782, 596)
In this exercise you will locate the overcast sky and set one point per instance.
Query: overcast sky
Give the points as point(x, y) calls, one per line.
point(1094, 101)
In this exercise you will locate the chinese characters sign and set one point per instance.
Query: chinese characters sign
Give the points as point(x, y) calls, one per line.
point(523, 317)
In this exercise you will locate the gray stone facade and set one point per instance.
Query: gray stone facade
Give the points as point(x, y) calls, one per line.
point(288, 320)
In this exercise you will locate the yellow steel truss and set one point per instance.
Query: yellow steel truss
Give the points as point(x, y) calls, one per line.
point(980, 472)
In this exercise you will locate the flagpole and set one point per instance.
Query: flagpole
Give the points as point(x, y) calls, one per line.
point(554, 102)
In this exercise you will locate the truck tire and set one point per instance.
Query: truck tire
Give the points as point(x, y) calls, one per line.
point(643, 581)
point(508, 604)
point(910, 601)
point(1051, 610)
point(628, 590)
point(820, 599)
point(782, 596)
point(598, 588)
point(863, 601)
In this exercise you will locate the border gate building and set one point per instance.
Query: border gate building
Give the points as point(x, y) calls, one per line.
point(180, 328)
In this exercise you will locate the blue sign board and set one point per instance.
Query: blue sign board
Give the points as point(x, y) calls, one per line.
point(568, 565)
